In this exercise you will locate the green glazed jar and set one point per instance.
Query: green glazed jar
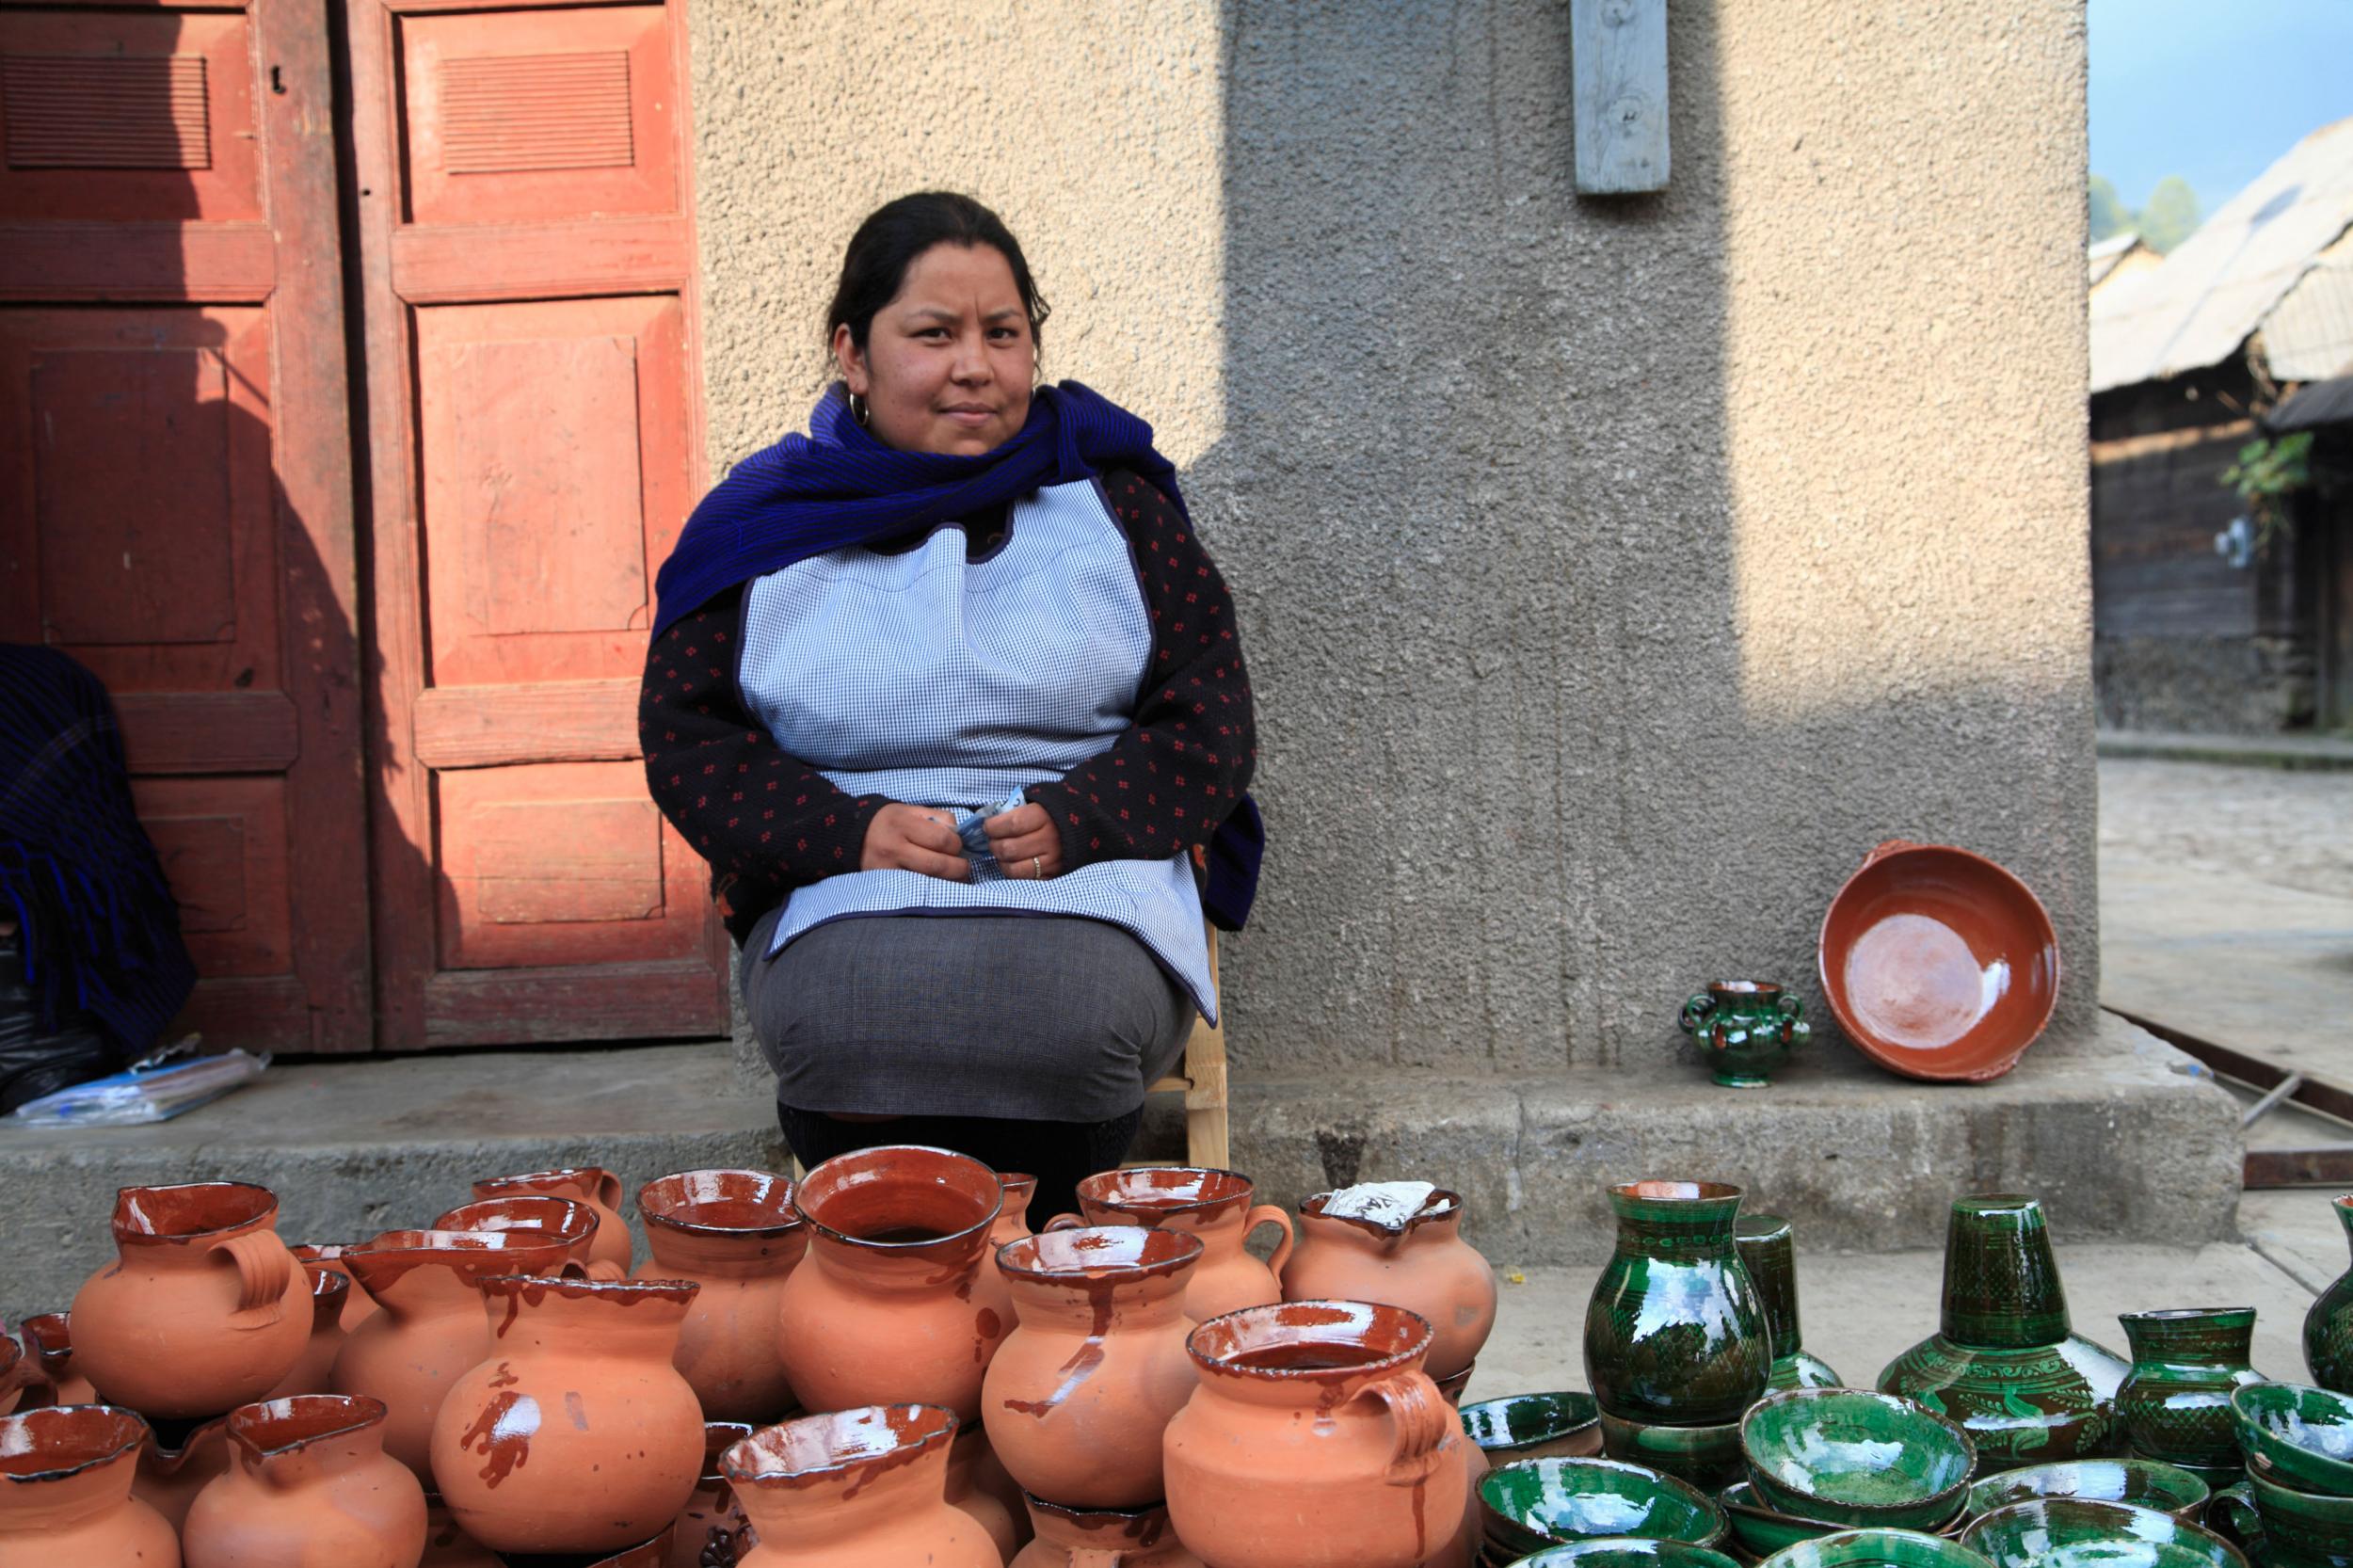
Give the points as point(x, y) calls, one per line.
point(2006, 1367)
point(1768, 1253)
point(2176, 1404)
point(1746, 1027)
point(1674, 1334)
point(2329, 1326)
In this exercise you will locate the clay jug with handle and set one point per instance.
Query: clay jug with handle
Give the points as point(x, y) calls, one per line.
point(65, 1492)
point(311, 1483)
point(1419, 1263)
point(331, 1292)
point(600, 1188)
point(1214, 1204)
point(856, 1489)
point(737, 1235)
point(1102, 1537)
point(1315, 1440)
point(204, 1308)
point(49, 1345)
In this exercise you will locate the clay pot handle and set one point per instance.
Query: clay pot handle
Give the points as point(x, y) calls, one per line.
point(1423, 1420)
point(605, 1272)
point(1695, 1011)
point(2232, 1514)
point(1065, 1222)
point(572, 1268)
point(1891, 846)
point(265, 1270)
point(1268, 1214)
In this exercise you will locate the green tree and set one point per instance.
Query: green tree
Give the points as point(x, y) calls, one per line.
point(2171, 215)
point(2109, 215)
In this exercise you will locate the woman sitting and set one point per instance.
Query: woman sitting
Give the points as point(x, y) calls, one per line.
point(955, 655)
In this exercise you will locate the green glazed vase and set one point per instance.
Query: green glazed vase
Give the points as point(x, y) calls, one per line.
point(2176, 1404)
point(1770, 1255)
point(2329, 1326)
point(1746, 1027)
point(1674, 1334)
point(2006, 1367)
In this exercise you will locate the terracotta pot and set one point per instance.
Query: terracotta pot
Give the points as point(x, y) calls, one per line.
point(431, 1330)
point(170, 1477)
point(1105, 1537)
point(359, 1305)
point(1012, 1221)
point(576, 1433)
point(17, 1373)
point(574, 1221)
point(1213, 1205)
point(856, 1489)
point(1080, 1393)
point(736, 1234)
point(204, 1309)
point(1674, 1334)
point(315, 1373)
point(1462, 1550)
point(1315, 1440)
point(1422, 1265)
point(600, 1188)
point(978, 1484)
point(311, 1485)
point(712, 1530)
point(49, 1338)
point(447, 1547)
point(65, 1493)
point(889, 1305)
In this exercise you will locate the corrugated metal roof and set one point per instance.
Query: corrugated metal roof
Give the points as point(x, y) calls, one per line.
point(2102, 261)
point(2309, 335)
point(2322, 403)
point(2219, 284)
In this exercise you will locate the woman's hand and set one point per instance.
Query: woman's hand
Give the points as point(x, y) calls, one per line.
point(1024, 841)
point(916, 839)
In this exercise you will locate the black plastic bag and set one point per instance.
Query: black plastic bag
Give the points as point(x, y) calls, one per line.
point(35, 1061)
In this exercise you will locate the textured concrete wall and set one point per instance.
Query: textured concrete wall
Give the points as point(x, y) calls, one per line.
point(1614, 573)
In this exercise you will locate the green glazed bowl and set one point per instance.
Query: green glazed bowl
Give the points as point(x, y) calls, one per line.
point(1708, 1457)
point(2303, 1435)
point(2074, 1533)
point(2141, 1482)
point(1535, 1426)
point(1534, 1503)
point(2283, 1527)
point(1856, 1458)
point(1876, 1548)
point(1627, 1551)
point(1763, 1530)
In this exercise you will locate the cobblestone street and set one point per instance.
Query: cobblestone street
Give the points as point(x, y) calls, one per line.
point(2273, 826)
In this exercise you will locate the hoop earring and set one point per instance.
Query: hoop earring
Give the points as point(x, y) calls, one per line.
point(859, 411)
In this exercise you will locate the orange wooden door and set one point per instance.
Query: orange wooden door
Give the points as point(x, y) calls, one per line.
point(527, 276)
point(175, 468)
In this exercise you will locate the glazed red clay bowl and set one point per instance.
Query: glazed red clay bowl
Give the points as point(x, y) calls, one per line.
point(1939, 964)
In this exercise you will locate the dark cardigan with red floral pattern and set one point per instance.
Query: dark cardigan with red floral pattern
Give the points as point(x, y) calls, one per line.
point(769, 822)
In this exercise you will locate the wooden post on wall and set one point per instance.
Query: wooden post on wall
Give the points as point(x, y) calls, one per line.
point(1620, 89)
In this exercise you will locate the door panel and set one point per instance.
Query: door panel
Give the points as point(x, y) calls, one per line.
point(175, 469)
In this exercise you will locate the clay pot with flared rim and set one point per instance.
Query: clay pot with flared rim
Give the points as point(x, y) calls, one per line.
point(49, 1345)
point(1674, 1333)
point(359, 1305)
point(600, 1188)
point(576, 1432)
point(978, 1484)
point(575, 1221)
point(889, 1305)
point(1079, 1392)
point(430, 1332)
point(854, 1489)
point(447, 1547)
point(1422, 1265)
point(204, 1309)
point(1102, 1538)
point(310, 1482)
point(712, 1528)
point(1211, 1204)
point(170, 1477)
point(1012, 1221)
point(17, 1373)
point(313, 1374)
point(737, 1235)
point(65, 1492)
point(1315, 1440)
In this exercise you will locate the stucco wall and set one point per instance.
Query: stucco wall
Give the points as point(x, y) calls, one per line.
point(1614, 573)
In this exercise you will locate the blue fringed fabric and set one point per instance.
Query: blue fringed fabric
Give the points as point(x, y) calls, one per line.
point(101, 928)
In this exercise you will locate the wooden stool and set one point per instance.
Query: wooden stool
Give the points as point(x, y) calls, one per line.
point(1203, 1081)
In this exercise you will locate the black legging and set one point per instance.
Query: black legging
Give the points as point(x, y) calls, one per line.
point(1057, 1153)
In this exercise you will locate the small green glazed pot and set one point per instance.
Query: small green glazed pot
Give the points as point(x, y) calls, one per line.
point(2297, 1435)
point(2141, 1482)
point(1860, 1459)
point(2329, 1326)
point(1674, 1334)
point(1876, 1548)
point(1746, 1027)
point(1769, 1252)
point(1627, 1551)
point(1534, 1503)
point(2072, 1532)
point(1708, 1457)
point(1534, 1425)
point(2176, 1404)
point(1761, 1530)
point(2283, 1527)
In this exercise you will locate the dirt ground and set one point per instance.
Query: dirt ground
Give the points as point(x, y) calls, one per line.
point(2290, 829)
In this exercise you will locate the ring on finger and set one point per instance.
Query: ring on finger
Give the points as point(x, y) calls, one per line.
point(1037, 867)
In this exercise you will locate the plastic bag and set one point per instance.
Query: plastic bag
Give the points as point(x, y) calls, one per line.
point(35, 1061)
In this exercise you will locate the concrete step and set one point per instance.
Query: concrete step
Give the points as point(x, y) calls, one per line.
point(2330, 753)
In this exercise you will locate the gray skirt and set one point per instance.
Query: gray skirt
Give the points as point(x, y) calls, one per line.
point(1042, 1017)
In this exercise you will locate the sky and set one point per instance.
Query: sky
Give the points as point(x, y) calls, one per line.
point(2214, 90)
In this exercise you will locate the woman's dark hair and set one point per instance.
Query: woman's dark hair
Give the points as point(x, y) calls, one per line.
point(886, 245)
